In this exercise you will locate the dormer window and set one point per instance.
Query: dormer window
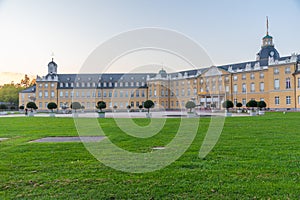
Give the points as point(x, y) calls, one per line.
point(104, 84)
point(67, 84)
point(82, 84)
point(132, 84)
point(72, 84)
point(109, 84)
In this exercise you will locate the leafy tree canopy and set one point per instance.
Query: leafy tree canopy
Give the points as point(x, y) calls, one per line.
point(148, 104)
point(101, 105)
point(190, 105)
point(52, 106)
point(227, 104)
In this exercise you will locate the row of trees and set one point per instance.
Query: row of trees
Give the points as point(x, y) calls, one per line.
point(76, 105)
point(251, 104)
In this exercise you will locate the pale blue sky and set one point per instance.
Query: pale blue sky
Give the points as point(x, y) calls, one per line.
point(229, 30)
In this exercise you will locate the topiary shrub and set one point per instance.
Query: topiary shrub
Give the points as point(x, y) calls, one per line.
point(148, 104)
point(32, 106)
point(252, 104)
point(239, 105)
point(227, 104)
point(101, 105)
point(52, 106)
point(261, 104)
point(75, 106)
point(190, 105)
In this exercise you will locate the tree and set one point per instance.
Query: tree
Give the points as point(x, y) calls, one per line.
point(140, 107)
point(22, 107)
point(261, 104)
point(128, 107)
point(227, 104)
point(252, 104)
point(190, 105)
point(239, 105)
point(3, 107)
point(75, 105)
point(101, 105)
point(26, 82)
point(52, 106)
point(31, 106)
point(148, 104)
point(10, 93)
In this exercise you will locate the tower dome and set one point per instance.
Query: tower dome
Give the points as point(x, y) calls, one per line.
point(268, 50)
point(163, 73)
point(52, 67)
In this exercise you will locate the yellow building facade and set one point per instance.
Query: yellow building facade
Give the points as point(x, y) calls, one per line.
point(269, 78)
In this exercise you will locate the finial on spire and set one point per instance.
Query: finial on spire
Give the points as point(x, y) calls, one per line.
point(267, 25)
point(52, 55)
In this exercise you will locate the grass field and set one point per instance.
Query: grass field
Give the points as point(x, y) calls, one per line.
point(255, 158)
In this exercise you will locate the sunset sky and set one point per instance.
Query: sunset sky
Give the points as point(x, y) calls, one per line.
point(230, 31)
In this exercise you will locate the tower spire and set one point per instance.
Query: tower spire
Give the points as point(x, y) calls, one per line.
point(267, 25)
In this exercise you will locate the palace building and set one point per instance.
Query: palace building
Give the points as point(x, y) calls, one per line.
point(271, 78)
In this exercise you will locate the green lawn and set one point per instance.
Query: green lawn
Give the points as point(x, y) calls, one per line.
point(255, 158)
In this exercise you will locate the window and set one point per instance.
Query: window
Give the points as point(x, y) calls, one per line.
point(182, 92)
point(67, 94)
point(126, 84)
point(77, 94)
point(155, 92)
point(88, 84)
point(72, 84)
point(298, 100)
point(52, 94)
point(82, 84)
point(88, 94)
point(287, 83)
point(287, 70)
point(126, 93)
point(99, 93)
point(121, 93)
point(244, 88)
point(244, 102)
point(46, 104)
point(115, 94)
point(177, 92)
point(235, 88)
point(252, 76)
point(276, 84)
point(40, 104)
point(104, 84)
point(288, 100)
point(77, 84)
point(234, 101)
point(143, 93)
point(276, 100)
point(162, 92)
point(132, 84)
point(189, 92)
point(137, 104)
point(82, 94)
point(121, 84)
point(46, 85)
point(150, 93)
point(252, 87)
point(243, 76)
point(109, 93)
point(72, 94)
point(261, 86)
point(52, 85)
point(110, 84)
point(104, 94)
point(276, 70)
point(137, 93)
point(46, 94)
point(261, 75)
point(67, 84)
point(40, 85)
point(94, 94)
point(195, 91)
point(235, 78)
point(298, 82)
point(40, 94)
point(227, 88)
